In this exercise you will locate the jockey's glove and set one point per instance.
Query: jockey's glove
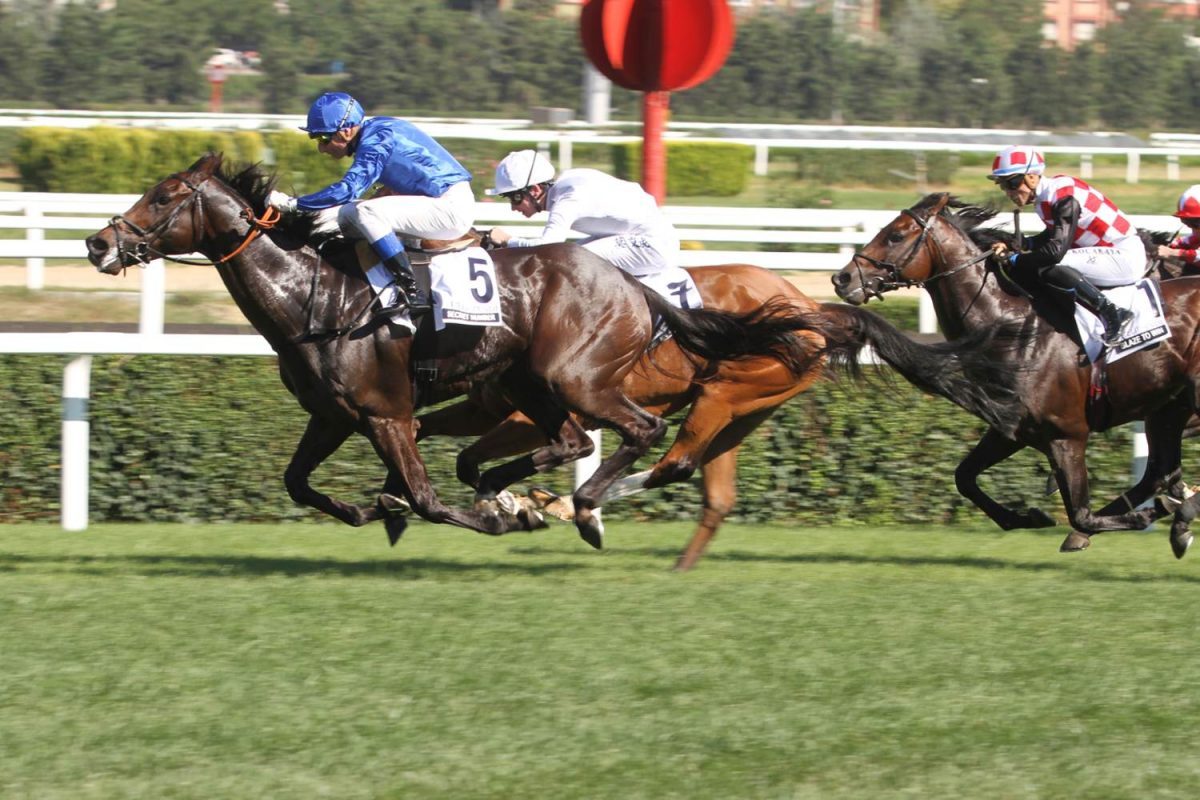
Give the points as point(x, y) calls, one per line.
point(286, 204)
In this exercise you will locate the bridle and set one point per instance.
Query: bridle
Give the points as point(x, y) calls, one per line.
point(143, 253)
point(894, 277)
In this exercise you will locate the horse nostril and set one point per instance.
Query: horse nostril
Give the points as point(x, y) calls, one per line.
point(96, 245)
point(840, 279)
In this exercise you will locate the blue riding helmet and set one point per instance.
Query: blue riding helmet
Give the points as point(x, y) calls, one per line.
point(333, 111)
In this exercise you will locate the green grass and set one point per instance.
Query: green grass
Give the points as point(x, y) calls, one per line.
point(310, 660)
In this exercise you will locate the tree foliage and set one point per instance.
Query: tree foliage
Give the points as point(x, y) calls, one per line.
point(936, 61)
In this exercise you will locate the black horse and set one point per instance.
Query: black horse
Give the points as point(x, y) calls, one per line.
point(573, 327)
point(940, 245)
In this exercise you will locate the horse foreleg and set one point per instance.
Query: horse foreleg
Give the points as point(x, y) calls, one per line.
point(991, 450)
point(320, 439)
point(396, 446)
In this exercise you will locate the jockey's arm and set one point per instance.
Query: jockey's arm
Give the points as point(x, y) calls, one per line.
point(1048, 247)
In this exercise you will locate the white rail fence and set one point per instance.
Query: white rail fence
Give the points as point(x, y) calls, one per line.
point(795, 239)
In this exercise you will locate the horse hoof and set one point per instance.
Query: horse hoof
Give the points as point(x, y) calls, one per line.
point(591, 530)
point(553, 504)
point(532, 519)
point(1180, 544)
point(391, 504)
point(395, 528)
point(1075, 542)
point(507, 502)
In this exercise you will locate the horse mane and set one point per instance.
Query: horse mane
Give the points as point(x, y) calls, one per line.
point(253, 182)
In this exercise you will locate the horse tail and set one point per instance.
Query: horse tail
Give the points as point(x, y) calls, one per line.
point(769, 331)
point(969, 372)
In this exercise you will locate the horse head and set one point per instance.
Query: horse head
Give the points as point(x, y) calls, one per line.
point(923, 243)
point(173, 217)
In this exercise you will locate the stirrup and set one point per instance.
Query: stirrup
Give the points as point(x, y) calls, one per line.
point(1113, 337)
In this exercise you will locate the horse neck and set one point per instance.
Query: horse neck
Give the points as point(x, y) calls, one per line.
point(966, 299)
point(269, 284)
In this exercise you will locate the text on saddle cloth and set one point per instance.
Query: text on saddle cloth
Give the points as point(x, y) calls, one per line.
point(676, 285)
point(1149, 324)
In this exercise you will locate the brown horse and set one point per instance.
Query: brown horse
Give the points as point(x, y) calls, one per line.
point(938, 244)
point(573, 328)
point(726, 405)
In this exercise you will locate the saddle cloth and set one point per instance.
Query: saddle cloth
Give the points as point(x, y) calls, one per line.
point(464, 288)
point(1149, 324)
point(462, 284)
point(676, 285)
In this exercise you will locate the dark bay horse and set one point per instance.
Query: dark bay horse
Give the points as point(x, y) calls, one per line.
point(727, 405)
point(573, 328)
point(940, 245)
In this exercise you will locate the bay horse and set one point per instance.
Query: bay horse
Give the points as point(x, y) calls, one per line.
point(573, 328)
point(726, 406)
point(939, 244)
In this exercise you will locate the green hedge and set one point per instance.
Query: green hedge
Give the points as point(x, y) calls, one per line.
point(693, 168)
point(130, 160)
point(207, 439)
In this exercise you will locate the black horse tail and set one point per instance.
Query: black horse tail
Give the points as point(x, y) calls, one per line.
point(970, 372)
point(769, 330)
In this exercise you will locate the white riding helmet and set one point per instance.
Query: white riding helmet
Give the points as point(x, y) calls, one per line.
point(1019, 159)
point(520, 169)
point(1189, 203)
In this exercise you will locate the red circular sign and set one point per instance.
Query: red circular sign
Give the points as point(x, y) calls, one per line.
point(657, 45)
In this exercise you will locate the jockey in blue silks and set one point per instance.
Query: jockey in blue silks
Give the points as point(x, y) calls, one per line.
point(427, 193)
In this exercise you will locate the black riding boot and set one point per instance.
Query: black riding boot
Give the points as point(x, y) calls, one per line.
point(1115, 318)
point(409, 295)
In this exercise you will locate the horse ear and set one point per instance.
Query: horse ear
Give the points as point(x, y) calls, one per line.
point(942, 200)
point(207, 164)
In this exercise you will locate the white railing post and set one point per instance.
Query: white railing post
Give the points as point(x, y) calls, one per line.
point(762, 158)
point(1132, 165)
point(1172, 168)
point(35, 267)
point(565, 153)
point(154, 298)
point(1085, 166)
point(77, 382)
point(926, 314)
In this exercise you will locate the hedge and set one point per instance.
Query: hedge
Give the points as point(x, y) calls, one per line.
point(693, 168)
point(208, 438)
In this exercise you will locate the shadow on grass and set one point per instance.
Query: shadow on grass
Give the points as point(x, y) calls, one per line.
point(252, 566)
point(1064, 566)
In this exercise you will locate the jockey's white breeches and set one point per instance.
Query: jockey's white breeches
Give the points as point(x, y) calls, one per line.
point(635, 254)
point(445, 217)
point(1109, 266)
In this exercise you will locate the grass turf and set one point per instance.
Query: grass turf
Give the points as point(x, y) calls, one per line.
point(311, 660)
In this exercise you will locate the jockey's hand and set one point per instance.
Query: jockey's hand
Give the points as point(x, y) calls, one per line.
point(1167, 252)
point(999, 251)
point(286, 204)
point(500, 237)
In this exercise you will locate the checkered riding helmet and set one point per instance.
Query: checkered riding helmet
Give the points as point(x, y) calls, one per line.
point(1189, 203)
point(1018, 160)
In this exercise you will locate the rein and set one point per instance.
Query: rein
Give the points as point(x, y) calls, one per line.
point(143, 253)
point(895, 278)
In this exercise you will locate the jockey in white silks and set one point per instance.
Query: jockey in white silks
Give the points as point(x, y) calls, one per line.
point(1088, 241)
point(427, 192)
point(620, 221)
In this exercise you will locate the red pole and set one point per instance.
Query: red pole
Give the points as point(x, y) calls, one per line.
point(214, 97)
point(654, 155)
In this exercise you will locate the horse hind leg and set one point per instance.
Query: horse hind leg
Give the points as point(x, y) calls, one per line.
point(720, 494)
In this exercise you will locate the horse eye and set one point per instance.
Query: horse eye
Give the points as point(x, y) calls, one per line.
point(895, 237)
point(161, 199)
